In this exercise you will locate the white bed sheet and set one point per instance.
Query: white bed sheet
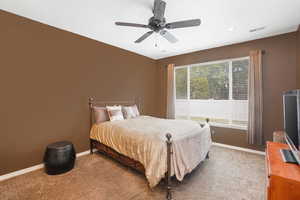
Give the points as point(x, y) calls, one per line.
point(143, 139)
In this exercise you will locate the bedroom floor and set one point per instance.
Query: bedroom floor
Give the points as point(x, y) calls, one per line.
point(227, 175)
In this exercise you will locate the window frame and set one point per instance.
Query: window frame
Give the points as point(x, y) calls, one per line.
point(229, 60)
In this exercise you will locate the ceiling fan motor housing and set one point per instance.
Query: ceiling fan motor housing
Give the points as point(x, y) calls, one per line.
point(157, 24)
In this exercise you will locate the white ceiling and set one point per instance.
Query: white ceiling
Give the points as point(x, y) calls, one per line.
point(223, 21)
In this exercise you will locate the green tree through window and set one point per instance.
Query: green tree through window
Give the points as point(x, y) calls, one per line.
point(181, 83)
point(240, 79)
point(199, 88)
point(209, 81)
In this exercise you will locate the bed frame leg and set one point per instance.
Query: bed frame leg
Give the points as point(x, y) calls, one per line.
point(91, 105)
point(91, 146)
point(168, 174)
point(207, 155)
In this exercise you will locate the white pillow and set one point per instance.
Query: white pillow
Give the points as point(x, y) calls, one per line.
point(128, 112)
point(115, 113)
point(135, 111)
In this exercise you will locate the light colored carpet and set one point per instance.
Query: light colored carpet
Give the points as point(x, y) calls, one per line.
point(227, 175)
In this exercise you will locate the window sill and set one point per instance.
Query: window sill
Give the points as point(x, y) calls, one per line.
point(232, 126)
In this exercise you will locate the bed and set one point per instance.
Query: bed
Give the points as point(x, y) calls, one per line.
point(159, 148)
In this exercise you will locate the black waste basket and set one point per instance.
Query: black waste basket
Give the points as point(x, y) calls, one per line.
point(59, 157)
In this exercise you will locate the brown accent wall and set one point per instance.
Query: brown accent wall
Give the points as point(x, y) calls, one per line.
point(46, 78)
point(279, 74)
point(233, 137)
point(298, 57)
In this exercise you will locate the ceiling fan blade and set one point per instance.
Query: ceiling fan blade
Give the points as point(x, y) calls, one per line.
point(171, 38)
point(144, 37)
point(184, 24)
point(159, 9)
point(131, 24)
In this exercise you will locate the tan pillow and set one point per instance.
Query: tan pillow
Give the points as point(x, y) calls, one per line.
point(115, 113)
point(100, 114)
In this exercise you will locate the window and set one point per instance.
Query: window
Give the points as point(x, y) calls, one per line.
point(240, 79)
point(181, 83)
point(216, 90)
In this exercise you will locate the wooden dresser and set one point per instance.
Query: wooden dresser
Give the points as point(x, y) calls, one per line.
point(283, 179)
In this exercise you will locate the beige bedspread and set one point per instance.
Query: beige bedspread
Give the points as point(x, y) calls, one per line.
point(143, 139)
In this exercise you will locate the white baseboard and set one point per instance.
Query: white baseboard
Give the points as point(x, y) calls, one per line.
point(239, 148)
point(85, 153)
point(40, 166)
point(20, 172)
point(35, 167)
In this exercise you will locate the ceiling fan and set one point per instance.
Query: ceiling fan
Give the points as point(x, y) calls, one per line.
point(158, 24)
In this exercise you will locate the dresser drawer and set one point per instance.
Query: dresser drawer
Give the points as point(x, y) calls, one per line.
point(268, 197)
point(267, 164)
point(267, 169)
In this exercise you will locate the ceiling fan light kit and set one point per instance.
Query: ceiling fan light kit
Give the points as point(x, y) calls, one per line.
point(158, 24)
